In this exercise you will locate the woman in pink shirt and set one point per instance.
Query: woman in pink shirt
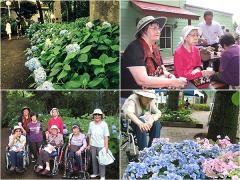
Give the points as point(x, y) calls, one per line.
point(55, 120)
point(187, 59)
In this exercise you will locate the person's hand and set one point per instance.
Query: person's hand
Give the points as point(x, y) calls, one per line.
point(106, 147)
point(88, 147)
point(78, 152)
point(204, 41)
point(47, 134)
point(179, 82)
point(207, 73)
point(196, 71)
point(145, 127)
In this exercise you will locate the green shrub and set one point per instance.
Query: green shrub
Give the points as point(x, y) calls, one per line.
point(94, 66)
point(180, 115)
point(200, 107)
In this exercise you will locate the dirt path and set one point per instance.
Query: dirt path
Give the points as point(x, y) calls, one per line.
point(13, 71)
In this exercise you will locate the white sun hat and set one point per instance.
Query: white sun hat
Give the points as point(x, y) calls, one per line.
point(146, 93)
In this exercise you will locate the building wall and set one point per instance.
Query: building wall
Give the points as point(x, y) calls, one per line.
point(129, 15)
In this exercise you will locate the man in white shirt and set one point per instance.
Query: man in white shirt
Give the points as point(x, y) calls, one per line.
point(211, 32)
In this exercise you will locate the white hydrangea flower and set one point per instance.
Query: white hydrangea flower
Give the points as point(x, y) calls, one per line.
point(45, 86)
point(34, 48)
point(48, 42)
point(33, 64)
point(106, 24)
point(63, 32)
point(89, 25)
point(40, 75)
point(71, 48)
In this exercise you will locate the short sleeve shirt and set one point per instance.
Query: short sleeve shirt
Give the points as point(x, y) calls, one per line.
point(132, 56)
point(98, 132)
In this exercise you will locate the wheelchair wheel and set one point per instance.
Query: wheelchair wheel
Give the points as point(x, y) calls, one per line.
point(7, 162)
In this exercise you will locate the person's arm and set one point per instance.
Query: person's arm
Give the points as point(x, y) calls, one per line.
point(157, 113)
point(84, 144)
point(11, 140)
point(141, 77)
point(106, 142)
point(61, 125)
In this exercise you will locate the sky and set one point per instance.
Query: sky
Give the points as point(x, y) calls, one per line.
point(231, 6)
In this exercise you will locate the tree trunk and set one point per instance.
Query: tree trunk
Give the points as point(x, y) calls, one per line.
point(172, 103)
point(40, 11)
point(74, 9)
point(224, 119)
point(57, 11)
point(104, 10)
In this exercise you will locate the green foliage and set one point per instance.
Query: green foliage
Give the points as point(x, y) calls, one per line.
point(180, 115)
point(200, 107)
point(95, 66)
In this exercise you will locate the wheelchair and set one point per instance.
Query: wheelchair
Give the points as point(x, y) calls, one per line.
point(74, 172)
point(55, 161)
point(128, 140)
point(26, 159)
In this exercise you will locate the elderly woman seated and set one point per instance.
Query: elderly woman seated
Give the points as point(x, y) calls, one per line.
point(54, 139)
point(140, 109)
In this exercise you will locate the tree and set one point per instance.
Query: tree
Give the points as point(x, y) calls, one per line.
point(224, 118)
point(104, 10)
point(172, 103)
point(40, 11)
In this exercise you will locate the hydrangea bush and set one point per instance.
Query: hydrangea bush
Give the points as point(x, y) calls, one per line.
point(186, 160)
point(77, 55)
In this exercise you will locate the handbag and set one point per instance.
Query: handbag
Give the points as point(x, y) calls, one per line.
point(74, 148)
point(202, 82)
point(105, 157)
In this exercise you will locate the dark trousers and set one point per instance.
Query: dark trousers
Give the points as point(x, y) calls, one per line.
point(142, 136)
point(78, 159)
point(34, 146)
point(44, 157)
point(16, 159)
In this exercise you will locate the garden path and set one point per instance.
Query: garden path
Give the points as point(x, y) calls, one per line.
point(13, 72)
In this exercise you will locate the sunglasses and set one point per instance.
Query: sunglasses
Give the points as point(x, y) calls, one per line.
point(97, 114)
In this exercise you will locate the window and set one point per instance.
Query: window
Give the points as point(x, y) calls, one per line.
point(166, 37)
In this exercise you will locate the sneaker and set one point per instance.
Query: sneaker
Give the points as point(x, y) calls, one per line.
point(102, 178)
point(12, 168)
point(45, 172)
point(18, 170)
point(38, 169)
point(93, 175)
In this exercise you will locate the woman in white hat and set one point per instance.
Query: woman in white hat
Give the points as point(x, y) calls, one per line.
point(140, 109)
point(187, 59)
point(17, 143)
point(141, 62)
point(54, 139)
point(98, 138)
point(55, 120)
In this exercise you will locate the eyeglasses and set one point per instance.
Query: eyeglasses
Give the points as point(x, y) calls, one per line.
point(97, 114)
point(18, 131)
point(155, 28)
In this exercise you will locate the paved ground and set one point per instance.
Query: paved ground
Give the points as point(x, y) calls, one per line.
point(13, 71)
point(176, 134)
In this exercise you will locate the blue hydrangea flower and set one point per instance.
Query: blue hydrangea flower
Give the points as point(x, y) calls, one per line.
point(33, 64)
point(63, 32)
point(40, 75)
point(71, 48)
